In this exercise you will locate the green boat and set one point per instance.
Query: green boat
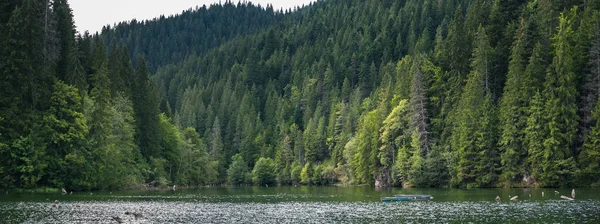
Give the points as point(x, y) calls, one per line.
point(407, 197)
point(392, 199)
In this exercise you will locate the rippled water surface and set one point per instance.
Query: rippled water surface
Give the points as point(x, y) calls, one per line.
point(303, 205)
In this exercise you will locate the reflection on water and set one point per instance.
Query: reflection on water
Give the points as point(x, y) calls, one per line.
point(302, 205)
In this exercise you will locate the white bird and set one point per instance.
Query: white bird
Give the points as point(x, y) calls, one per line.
point(63, 191)
point(556, 192)
point(174, 187)
point(514, 198)
point(573, 193)
point(542, 194)
point(497, 197)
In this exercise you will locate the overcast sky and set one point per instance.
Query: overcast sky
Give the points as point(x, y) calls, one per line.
point(93, 14)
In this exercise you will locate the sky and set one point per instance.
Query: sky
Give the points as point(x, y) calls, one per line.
point(91, 15)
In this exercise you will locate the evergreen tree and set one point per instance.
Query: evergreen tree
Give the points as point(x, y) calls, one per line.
point(589, 158)
point(146, 111)
point(394, 134)
point(560, 107)
point(512, 109)
point(67, 129)
point(364, 161)
point(466, 142)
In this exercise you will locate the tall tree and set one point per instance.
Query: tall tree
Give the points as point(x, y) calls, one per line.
point(145, 105)
point(560, 107)
point(469, 139)
point(512, 112)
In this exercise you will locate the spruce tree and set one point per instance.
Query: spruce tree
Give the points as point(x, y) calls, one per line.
point(469, 115)
point(560, 107)
point(511, 111)
point(145, 104)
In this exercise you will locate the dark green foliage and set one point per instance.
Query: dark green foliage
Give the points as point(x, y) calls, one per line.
point(474, 138)
point(468, 93)
point(560, 108)
point(146, 111)
point(513, 110)
point(166, 40)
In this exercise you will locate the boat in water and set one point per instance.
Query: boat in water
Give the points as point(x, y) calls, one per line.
point(407, 197)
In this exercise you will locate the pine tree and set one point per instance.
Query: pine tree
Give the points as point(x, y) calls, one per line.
point(25, 87)
point(145, 104)
point(589, 158)
point(512, 107)
point(393, 135)
point(464, 140)
point(364, 161)
point(560, 108)
point(67, 129)
point(590, 90)
point(418, 106)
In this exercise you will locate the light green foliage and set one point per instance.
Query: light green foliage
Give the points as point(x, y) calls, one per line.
point(364, 163)
point(284, 161)
point(394, 135)
point(306, 174)
point(196, 167)
point(170, 146)
point(238, 171)
point(393, 132)
point(295, 173)
point(28, 161)
point(158, 173)
point(65, 118)
point(66, 128)
point(416, 161)
point(263, 173)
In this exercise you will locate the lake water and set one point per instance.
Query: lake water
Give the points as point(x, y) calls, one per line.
point(303, 205)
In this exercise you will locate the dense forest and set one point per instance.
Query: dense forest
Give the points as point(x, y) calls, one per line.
point(421, 93)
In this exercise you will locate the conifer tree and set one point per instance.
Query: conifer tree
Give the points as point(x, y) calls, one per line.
point(465, 140)
point(146, 111)
point(512, 107)
point(394, 135)
point(365, 164)
point(560, 107)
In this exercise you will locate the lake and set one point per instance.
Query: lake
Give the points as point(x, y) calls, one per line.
point(303, 205)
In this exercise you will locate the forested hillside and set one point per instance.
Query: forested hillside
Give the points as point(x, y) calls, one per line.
point(163, 41)
point(424, 93)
